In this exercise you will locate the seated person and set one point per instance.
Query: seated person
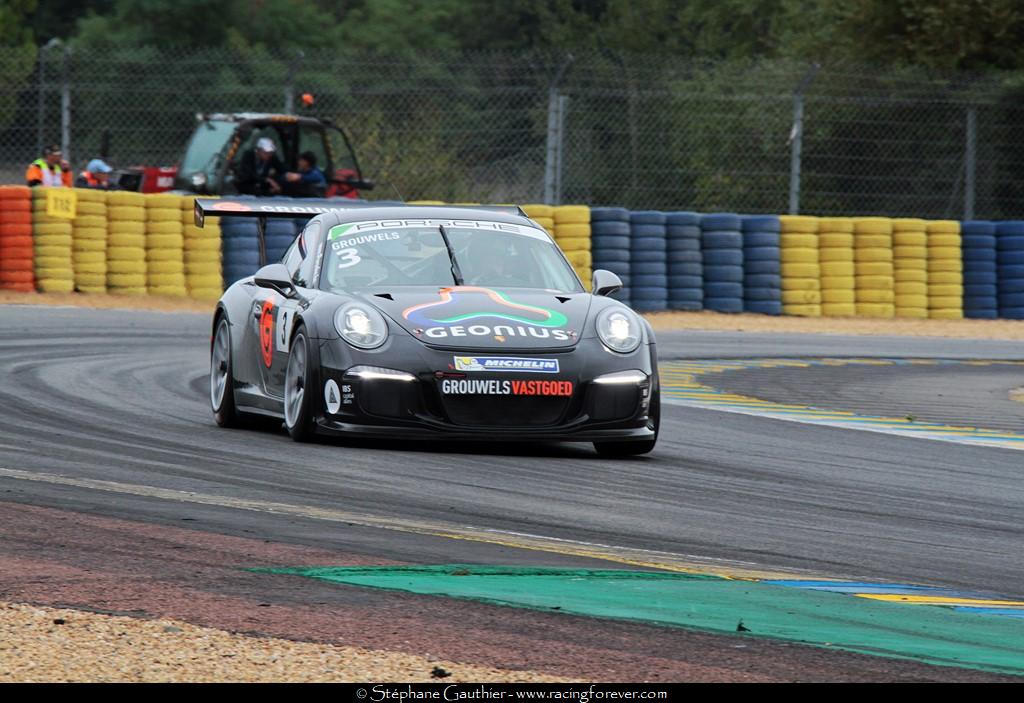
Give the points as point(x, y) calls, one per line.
point(95, 175)
point(309, 181)
point(260, 170)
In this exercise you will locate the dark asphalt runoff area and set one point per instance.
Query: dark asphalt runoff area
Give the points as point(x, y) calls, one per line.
point(105, 412)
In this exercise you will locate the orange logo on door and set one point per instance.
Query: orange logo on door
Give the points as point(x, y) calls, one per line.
point(267, 333)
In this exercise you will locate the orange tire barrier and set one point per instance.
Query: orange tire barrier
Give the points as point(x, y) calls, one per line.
point(16, 251)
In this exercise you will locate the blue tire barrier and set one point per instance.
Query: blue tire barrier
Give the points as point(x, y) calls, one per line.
point(649, 268)
point(723, 290)
point(610, 245)
point(648, 256)
point(685, 260)
point(761, 224)
point(1011, 258)
point(619, 268)
point(723, 257)
point(763, 280)
point(761, 239)
point(730, 305)
point(608, 241)
point(982, 314)
point(722, 221)
point(617, 227)
point(647, 217)
point(684, 256)
point(652, 281)
point(721, 240)
point(981, 278)
point(1012, 300)
point(978, 227)
point(682, 219)
point(723, 274)
point(980, 269)
point(762, 284)
point(683, 283)
point(763, 307)
point(688, 294)
point(683, 244)
point(759, 294)
point(760, 267)
point(613, 255)
point(613, 214)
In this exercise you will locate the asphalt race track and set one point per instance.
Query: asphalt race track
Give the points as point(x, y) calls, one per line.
point(105, 412)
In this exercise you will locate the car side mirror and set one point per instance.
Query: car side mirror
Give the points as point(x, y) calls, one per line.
point(275, 277)
point(605, 283)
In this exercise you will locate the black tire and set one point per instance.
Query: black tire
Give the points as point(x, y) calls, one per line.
point(620, 449)
point(300, 387)
point(222, 380)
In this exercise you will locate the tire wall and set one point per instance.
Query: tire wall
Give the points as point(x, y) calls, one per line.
point(801, 268)
point(135, 244)
point(17, 268)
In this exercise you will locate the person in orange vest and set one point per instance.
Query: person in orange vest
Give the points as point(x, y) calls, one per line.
point(50, 170)
point(95, 175)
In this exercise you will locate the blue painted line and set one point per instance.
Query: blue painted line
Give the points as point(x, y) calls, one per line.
point(1001, 612)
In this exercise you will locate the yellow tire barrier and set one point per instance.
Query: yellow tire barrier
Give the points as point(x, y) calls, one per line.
point(800, 284)
point(798, 240)
point(798, 224)
point(945, 266)
point(137, 229)
point(801, 271)
point(574, 244)
point(799, 255)
point(571, 214)
point(835, 254)
point(873, 254)
point(201, 253)
point(126, 213)
point(802, 310)
point(838, 296)
point(536, 210)
point(801, 297)
point(839, 309)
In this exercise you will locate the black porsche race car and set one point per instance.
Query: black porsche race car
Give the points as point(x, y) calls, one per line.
point(429, 322)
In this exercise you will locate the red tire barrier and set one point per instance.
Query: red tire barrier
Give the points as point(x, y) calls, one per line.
point(16, 257)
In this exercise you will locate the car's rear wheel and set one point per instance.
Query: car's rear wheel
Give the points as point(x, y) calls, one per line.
point(299, 388)
point(636, 448)
point(222, 392)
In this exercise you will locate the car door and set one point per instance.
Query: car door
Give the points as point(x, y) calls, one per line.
point(274, 317)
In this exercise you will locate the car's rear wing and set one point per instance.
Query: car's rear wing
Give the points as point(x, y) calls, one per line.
point(262, 208)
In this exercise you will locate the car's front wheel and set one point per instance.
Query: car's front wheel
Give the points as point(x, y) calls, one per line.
point(300, 388)
point(646, 446)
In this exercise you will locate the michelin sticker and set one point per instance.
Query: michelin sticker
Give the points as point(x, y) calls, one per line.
point(332, 396)
point(505, 363)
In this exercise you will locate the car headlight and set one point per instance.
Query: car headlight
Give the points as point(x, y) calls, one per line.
point(619, 329)
point(361, 326)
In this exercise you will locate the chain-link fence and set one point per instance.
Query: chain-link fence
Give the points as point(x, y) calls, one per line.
point(598, 128)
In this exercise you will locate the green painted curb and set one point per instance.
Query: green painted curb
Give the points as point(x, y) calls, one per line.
point(930, 634)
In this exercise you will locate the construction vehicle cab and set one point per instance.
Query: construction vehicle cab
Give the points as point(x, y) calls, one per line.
point(212, 161)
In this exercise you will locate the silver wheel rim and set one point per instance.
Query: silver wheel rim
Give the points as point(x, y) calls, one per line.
point(295, 382)
point(219, 357)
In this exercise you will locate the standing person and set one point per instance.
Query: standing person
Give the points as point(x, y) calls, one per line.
point(260, 170)
point(49, 170)
point(310, 181)
point(95, 175)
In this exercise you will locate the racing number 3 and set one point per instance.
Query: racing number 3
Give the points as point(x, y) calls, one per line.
point(267, 333)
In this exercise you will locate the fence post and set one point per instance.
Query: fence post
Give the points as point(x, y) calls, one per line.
point(796, 140)
point(970, 163)
point(289, 86)
point(554, 151)
point(563, 110)
point(65, 104)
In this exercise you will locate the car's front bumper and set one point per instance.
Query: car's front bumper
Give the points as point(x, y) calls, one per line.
point(413, 404)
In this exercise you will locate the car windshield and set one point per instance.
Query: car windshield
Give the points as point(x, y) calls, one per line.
point(207, 142)
point(413, 253)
